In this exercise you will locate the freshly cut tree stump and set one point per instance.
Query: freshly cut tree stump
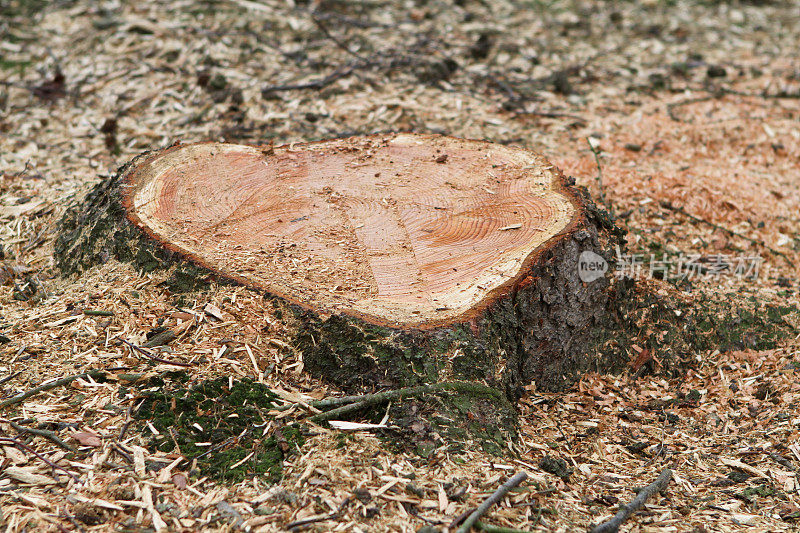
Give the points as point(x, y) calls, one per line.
point(402, 258)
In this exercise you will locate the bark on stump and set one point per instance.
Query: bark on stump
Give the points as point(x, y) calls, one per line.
point(402, 259)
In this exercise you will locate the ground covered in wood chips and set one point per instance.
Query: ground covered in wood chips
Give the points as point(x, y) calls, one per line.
point(681, 116)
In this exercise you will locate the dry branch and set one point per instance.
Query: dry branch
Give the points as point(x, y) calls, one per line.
point(314, 519)
point(695, 218)
point(47, 386)
point(49, 435)
point(488, 528)
point(612, 525)
point(360, 402)
point(149, 355)
point(48, 462)
point(498, 495)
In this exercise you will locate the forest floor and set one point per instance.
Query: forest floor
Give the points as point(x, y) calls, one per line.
point(689, 110)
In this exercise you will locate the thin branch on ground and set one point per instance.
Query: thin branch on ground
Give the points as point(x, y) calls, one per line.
point(719, 92)
point(659, 485)
point(45, 460)
point(498, 495)
point(602, 192)
point(321, 83)
point(356, 403)
point(488, 528)
point(50, 385)
point(550, 114)
point(149, 355)
point(682, 211)
point(324, 29)
point(689, 101)
point(10, 377)
point(314, 519)
point(49, 435)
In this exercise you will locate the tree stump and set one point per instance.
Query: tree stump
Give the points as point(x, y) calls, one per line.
point(401, 259)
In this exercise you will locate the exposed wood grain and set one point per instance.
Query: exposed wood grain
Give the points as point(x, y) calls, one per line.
point(400, 229)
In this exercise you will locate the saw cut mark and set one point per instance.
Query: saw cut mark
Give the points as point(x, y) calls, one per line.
point(383, 227)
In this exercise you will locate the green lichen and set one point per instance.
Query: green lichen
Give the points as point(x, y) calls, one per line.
point(222, 427)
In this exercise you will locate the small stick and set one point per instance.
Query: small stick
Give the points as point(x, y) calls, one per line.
point(675, 105)
point(695, 218)
point(498, 495)
point(315, 84)
point(97, 312)
point(47, 461)
point(49, 435)
point(314, 519)
point(10, 377)
point(124, 428)
point(160, 339)
point(149, 355)
point(599, 175)
point(339, 411)
point(359, 402)
point(460, 518)
point(47, 386)
point(625, 511)
point(488, 528)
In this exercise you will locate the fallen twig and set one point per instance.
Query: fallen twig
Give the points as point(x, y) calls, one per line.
point(49, 435)
point(45, 460)
point(320, 518)
point(593, 148)
point(457, 521)
point(550, 114)
point(488, 528)
point(50, 385)
point(160, 339)
point(498, 495)
point(355, 403)
point(719, 92)
point(97, 312)
point(668, 205)
point(625, 511)
point(149, 355)
point(675, 105)
point(321, 83)
point(324, 29)
point(10, 377)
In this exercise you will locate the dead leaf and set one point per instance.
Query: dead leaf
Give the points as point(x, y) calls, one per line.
point(643, 357)
point(87, 439)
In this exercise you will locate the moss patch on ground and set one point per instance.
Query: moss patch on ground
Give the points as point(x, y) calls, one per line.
point(221, 424)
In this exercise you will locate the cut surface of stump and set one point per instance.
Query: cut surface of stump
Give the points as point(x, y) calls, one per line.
point(401, 259)
point(404, 230)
